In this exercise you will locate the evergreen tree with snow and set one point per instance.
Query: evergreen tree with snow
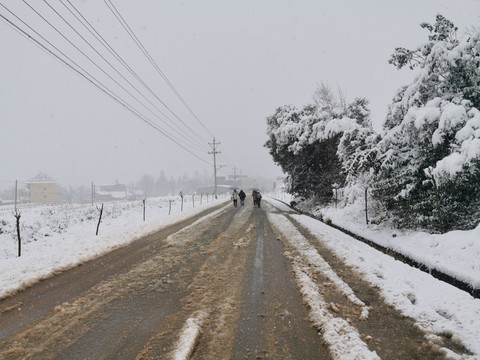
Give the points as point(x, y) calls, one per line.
point(312, 166)
point(305, 143)
point(427, 161)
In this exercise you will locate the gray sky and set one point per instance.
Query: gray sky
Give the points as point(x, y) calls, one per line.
point(233, 62)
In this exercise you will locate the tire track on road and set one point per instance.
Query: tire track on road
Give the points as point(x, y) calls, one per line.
point(67, 331)
point(342, 339)
point(385, 331)
point(215, 293)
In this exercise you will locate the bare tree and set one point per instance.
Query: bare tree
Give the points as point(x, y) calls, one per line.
point(324, 97)
point(342, 98)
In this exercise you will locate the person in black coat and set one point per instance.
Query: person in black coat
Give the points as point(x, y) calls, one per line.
point(242, 197)
point(258, 198)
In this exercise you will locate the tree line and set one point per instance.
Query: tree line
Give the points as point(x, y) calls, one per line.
point(423, 169)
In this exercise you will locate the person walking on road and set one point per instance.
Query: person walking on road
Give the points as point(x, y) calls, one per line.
point(242, 197)
point(235, 197)
point(258, 198)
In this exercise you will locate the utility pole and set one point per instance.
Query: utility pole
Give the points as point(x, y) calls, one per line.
point(214, 152)
point(235, 175)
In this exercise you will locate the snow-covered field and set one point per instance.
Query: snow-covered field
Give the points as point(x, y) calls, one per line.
point(59, 237)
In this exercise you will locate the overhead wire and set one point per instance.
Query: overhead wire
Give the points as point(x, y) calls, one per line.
point(104, 87)
point(112, 51)
point(132, 34)
point(67, 61)
point(122, 21)
point(94, 63)
point(178, 132)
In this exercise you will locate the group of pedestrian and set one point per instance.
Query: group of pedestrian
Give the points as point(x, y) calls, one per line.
point(238, 195)
point(241, 195)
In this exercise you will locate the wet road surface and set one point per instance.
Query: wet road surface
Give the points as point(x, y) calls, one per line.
point(221, 285)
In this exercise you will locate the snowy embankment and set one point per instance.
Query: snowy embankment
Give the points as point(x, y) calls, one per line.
point(58, 237)
point(437, 307)
point(456, 253)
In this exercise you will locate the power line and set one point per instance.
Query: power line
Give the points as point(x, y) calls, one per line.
point(92, 79)
point(181, 133)
point(112, 51)
point(125, 25)
point(86, 75)
point(93, 62)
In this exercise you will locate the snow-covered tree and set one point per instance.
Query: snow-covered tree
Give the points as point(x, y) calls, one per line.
point(305, 143)
point(356, 151)
point(449, 68)
point(424, 168)
point(312, 165)
point(427, 159)
point(357, 139)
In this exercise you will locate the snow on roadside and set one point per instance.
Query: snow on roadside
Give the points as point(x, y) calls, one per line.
point(437, 307)
point(188, 337)
point(311, 255)
point(456, 253)
point(343, 339)
point(57, 237)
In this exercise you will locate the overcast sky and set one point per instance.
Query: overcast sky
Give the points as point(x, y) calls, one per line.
point(232, 62)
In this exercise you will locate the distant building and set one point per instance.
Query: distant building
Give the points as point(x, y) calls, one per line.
point(111, 191)
point(42, 189)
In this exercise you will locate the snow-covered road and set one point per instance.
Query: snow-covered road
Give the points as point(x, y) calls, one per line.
point(241, 283)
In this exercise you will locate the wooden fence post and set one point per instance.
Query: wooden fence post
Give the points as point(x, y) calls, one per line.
point(144, 209)
point(17, 216)
point(99, 218)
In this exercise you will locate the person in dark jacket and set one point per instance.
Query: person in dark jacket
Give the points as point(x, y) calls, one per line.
point(242, 197)
point(258, 198)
